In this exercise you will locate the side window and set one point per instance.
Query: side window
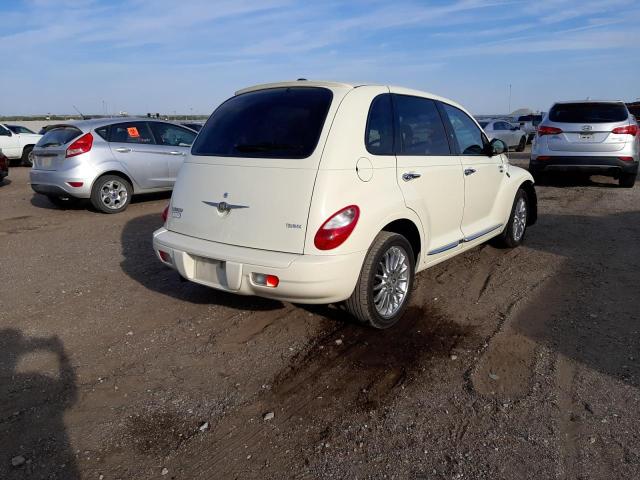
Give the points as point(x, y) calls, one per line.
point(420, 128)
point(379, 133)
point(103, 132)
point(468, 136)
point(172, 135)
point(132, 132)
point(502, 126)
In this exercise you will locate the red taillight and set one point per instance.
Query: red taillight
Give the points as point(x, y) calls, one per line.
point(337, 228)
point(81, 145)
point(165, 214)
point(543, 157)
point(76, 184)
point(626, 159)
point(628, 130)
point(164, 256)
point(265, 280)
point(544, 130)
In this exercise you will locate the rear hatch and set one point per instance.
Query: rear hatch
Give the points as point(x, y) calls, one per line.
point(588, 127)
point(51, 149)
point(249, 178)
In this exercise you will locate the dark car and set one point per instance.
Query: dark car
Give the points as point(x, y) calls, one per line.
point(4, 166)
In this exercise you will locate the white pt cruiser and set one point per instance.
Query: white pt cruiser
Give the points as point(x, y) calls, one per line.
point(318, 192)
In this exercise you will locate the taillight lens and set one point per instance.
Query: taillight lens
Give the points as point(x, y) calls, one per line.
point(626, 159)
point(165, 214)
point(544, 130)
point(337, 228)
point(628, 130)
point(81, 145)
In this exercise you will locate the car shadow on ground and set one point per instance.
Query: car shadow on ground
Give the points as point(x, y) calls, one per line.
point(141, 264)
point(41, 201)
point(589, 310)
point(35, 393)
point(5, 182)
point(572, 179)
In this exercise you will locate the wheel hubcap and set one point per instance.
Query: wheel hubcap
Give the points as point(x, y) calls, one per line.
point(520, 219)
point(113, 195)
point(391, 282)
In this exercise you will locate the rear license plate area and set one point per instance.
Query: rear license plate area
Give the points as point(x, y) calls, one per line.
point(586, 137)
point(210, 270)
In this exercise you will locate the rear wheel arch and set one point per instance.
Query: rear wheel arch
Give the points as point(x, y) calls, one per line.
point(118, 173)
point(408, 229)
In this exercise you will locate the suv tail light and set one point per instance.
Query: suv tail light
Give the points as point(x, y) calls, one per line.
point(544, 130)
point(337, 228)
point(81, 145)
point(165, 214)
point(628, 130)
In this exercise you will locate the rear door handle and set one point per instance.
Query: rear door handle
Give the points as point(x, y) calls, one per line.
point(469, 171)
point(410, 176)
point(123, 150)
point(175, 153)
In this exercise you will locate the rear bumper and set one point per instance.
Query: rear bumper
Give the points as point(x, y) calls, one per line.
point(314, 279)
point(53, 182)
point(611, 166)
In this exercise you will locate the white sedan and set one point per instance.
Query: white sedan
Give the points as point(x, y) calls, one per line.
point(505, 131)
point(16, 142)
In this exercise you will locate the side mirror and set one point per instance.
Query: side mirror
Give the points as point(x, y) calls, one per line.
point(497, 147)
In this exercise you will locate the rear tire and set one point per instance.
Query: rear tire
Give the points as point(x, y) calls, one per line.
point(514, 232)
point(627, 180)
point(111, 194)
point(26, 161)
point(382, 293)
point(522, 145)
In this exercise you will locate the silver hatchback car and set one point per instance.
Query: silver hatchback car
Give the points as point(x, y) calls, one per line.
point(108, 160)
point(592, 137)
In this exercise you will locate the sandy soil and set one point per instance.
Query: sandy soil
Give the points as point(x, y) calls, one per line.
point(509, 364)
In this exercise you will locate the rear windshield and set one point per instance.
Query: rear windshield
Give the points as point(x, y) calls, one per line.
point(588, 113)
point(58, 136)
point(274, 123)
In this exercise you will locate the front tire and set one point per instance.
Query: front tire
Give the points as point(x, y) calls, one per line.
point(514, 232)
point(26, 160)
point(627, 180)
point(521, 146)
point(382, 293)
point(111, 194)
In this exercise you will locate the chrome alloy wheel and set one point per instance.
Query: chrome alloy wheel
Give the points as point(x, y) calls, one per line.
point(519, 219)
point(113, 195)
point(391, 283)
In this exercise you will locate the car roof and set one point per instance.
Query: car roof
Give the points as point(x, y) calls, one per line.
point(347, 86)
point(588, 101)
point(101, 122)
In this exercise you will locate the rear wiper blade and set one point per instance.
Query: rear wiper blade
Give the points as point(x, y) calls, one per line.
point(51, 144)
point(264, 147)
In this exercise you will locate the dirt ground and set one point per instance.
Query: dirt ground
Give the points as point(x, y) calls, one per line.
point(509, 364)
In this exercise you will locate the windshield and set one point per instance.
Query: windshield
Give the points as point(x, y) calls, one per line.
point(275, 123)
point(58, 136)
point(588, 112)
point(19, 129)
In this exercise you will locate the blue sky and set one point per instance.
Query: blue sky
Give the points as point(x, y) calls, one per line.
point(189, 55)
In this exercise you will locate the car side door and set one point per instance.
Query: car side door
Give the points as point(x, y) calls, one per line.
point(134, 146)
point(429, 173)
point(175, 142)
point(483, 174)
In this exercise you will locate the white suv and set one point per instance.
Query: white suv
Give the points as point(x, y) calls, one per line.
point(317, 192)
point(16, 142)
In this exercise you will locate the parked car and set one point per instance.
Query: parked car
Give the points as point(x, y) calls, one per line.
point(4, 166)
point(109, 160)
point(593, 137)
point(196, 127)
point(17, 142)
point(317, 192)
point(505, 131)
point(529, 124)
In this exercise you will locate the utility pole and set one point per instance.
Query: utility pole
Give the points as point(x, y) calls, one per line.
point(509, 112)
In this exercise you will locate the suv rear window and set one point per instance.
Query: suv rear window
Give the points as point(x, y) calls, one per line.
point(58, 136)
point(273, 123)
point(588, 113)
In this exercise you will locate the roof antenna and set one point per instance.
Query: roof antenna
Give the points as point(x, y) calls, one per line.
point(81, 115)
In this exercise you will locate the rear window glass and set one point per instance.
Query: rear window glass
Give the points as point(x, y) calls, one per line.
point(58, 136)
point(421, 131)
point(379, 137)
point(274, 123)
point(588, 113)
